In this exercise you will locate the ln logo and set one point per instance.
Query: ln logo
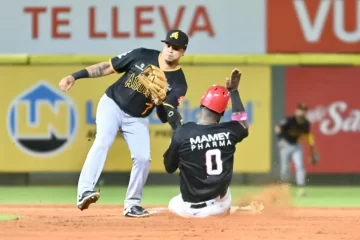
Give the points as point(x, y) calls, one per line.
point(42, 121)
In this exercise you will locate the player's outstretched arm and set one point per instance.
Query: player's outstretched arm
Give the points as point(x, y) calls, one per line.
point(93, 71)
point(314, 156)
point(167, 112)
point(99, 70)
point(117, 64)
point(171, 156)
point(238, 110)
point(280, 127)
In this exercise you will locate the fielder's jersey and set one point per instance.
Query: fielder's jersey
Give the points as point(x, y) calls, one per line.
point(131, 96)
point(204, 155)
point(292, 130)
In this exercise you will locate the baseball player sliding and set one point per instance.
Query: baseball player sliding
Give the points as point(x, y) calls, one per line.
point(151, 79)
point(289, 131)
point(204, 153)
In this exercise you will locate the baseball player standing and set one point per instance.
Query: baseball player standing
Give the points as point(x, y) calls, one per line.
point(125, 106)
point(289, 131)
point(204, 153)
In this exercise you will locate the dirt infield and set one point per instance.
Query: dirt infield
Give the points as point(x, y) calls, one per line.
point(107, 222)
point(280, 220)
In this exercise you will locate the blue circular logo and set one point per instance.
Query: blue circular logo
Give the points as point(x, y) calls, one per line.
point(42, 121)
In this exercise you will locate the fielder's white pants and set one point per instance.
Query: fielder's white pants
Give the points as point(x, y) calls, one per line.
point(215, 207)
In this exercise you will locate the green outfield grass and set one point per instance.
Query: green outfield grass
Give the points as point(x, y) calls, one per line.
point(160, 195)
point(9, 217)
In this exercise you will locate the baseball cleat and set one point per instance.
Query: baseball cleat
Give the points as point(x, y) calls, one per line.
point(136, 212)
point(88, 198)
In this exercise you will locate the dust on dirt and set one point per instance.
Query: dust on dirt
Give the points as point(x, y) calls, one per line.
point(280, 220)
point(276, 198)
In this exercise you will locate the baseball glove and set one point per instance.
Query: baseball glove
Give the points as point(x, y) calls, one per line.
point(154, 79)
point(315, 158)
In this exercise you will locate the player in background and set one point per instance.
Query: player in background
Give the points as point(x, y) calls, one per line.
point(204, 153)
point(125, 106)
point(289, 132)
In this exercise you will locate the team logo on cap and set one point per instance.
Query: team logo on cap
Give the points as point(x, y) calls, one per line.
point(174, 35)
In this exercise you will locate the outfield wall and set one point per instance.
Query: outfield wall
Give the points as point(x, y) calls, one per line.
point(271, 87)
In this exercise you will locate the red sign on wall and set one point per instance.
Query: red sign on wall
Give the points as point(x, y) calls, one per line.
point(334, 111)
point(313, 26)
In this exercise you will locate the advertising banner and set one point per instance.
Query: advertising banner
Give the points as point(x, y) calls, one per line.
point(102, 27)
point(331, 94)
point(314, 26)
point(48, 130)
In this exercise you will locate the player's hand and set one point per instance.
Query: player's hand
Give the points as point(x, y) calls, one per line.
point(277, 129)
point(233, 82)
point(157, 101)
point(66, 83)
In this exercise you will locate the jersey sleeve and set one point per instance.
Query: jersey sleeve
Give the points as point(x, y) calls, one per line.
point(238, 129)
point(171, 156)
point(284, 125)
point(307, 128)
point(121, 63)
point(284, 122)
point(177, 92)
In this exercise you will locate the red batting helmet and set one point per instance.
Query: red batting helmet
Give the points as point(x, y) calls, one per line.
point(216, 98)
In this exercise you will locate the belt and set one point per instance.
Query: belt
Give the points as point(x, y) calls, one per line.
point(205, 204)
point(199, 205)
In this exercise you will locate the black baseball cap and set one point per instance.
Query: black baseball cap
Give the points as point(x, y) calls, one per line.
point(302, 106)
point(177, 38)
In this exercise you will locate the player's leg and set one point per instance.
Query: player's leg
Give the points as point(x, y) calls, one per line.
point(285, 154)
point(300, 173)
point(136, 135)
point(221, 206)
point(183, 209)
point(177, 206)
point(108, 120)
point(216, 207)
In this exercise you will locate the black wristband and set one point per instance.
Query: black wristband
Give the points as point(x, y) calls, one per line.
point(237, 105)
point(80, 74)
point(174, 118)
